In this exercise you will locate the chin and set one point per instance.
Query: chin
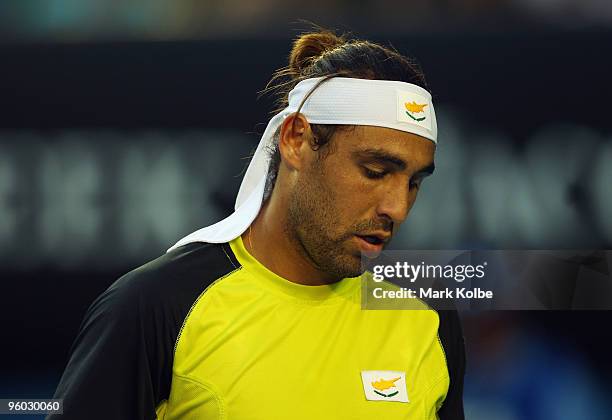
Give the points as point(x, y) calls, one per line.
point(348, 265)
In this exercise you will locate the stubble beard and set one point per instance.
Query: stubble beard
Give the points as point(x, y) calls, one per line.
point(312, 216)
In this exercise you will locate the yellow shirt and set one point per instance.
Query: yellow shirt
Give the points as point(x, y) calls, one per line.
point(206, 332)
point(257, 346)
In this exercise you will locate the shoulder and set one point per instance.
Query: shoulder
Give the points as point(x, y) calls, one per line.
point(175, 278)
point(125, 345)
point(156, 297)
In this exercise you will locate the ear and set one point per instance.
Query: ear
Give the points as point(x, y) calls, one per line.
point(294, 141)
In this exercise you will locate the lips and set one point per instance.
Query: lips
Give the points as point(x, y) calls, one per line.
point(372, 243)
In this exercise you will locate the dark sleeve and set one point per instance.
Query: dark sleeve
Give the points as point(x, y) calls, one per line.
point(451, 336)
point(120, 366)
point(120, 361)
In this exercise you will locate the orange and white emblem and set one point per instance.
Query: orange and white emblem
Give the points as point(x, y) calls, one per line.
point(384, 385)
point(414, 109)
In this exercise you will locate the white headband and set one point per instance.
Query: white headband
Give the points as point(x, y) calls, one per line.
point(338, 100)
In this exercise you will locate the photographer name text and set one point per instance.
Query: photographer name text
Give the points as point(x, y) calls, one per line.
point(431, 293)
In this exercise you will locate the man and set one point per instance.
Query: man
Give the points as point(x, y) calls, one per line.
point(259, 315)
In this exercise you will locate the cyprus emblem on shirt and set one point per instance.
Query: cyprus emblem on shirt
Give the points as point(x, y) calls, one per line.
point(384, 385)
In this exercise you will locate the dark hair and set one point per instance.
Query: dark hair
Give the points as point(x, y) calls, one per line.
point(321, 53)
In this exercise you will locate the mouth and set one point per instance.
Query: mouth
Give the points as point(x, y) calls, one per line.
point(372, 244)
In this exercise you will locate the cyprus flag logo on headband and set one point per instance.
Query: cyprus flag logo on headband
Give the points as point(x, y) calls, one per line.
point(414, 109)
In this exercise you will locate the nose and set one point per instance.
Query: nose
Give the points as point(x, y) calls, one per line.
point(396, 203)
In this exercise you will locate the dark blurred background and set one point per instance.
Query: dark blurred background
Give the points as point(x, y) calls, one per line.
point(125, 125)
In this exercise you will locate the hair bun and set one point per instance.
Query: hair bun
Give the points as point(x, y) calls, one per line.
point(310, 46)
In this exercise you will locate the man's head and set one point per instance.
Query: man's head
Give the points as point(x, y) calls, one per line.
point(345, 188)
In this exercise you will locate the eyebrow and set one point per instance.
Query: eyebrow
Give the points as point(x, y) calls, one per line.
point(383, 156)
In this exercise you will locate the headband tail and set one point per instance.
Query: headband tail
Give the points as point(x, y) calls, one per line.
point(249, 199)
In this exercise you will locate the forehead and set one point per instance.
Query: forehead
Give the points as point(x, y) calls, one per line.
point(409, 147)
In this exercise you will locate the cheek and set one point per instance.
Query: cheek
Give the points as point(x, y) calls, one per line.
point(352, 196)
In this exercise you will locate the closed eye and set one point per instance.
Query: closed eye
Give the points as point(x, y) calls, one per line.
point(372, 174)
point(415, 183)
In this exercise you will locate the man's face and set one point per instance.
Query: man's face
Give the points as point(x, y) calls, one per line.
point(353, 199)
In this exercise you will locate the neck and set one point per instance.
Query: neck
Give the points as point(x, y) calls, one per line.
point(268, 242)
